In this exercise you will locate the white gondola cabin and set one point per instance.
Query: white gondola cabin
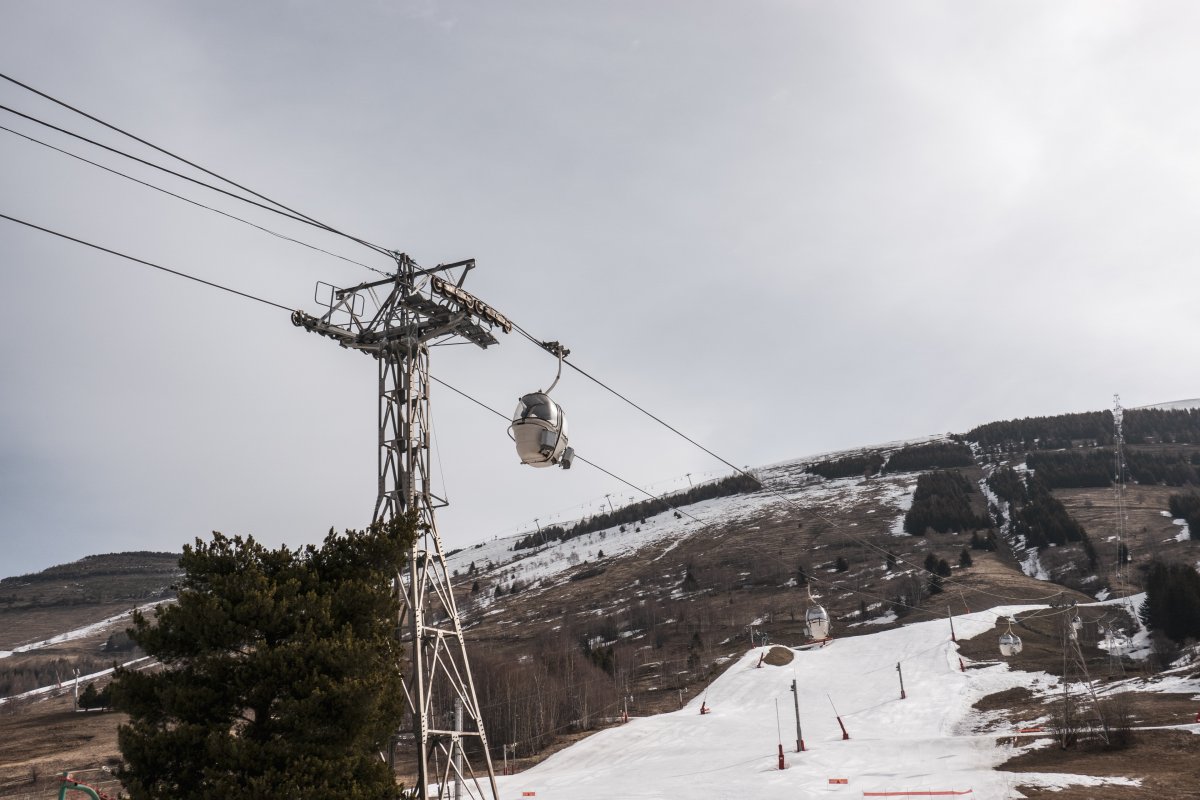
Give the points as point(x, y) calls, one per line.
point(1010, 643)
point(817, 620)
point(539, 429)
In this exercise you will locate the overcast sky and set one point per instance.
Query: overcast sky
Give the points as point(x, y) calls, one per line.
point(784, 227)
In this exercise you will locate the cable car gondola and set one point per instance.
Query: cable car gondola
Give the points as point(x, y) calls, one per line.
point(1010, 643)
point(539, 426)
point(817, 620)
point(539, 429)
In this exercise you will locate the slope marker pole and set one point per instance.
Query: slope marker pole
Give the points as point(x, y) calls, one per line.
point(845, 733)
point(779, 734)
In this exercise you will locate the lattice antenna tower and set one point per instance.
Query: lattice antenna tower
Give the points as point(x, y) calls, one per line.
point(395, 321)
point(1119, 484)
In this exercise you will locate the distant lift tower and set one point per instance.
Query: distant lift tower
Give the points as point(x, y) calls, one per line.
point(412, 310)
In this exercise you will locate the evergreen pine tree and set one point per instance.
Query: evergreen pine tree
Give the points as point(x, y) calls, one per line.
point(690, 584)
point(281, 673)
point(89, 697)
point(964, 558)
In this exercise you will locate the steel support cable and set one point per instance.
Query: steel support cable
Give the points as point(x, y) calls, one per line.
point(167, 170)
point(168, 270)
point(194, 165)
point(776, 493)
point(196, 203)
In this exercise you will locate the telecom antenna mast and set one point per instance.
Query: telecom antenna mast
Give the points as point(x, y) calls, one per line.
point(1118, 414)
point(414, 309)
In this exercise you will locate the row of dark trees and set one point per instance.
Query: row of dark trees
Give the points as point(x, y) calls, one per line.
point(1168, 469)
point(1141, 426)
point(1047, 432)
point(942, 501)
point(636, 513)
point(1172, 600)
point(862, 465)
point(933, 455)
point(1073, 469)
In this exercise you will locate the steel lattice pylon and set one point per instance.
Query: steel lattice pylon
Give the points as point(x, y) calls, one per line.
point(420, 307)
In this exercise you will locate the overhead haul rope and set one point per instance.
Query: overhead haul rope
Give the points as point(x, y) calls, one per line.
point(287, 214)
point(304, 217)
point(196, 203)
point(143, 262)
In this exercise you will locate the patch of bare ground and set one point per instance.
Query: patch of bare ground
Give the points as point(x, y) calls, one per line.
point(1042, 637)
point(1166, 762)
point(1009, 698)
point(41, 740)
point(1148, 533)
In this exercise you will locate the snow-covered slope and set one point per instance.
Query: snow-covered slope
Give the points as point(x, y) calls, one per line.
point(932, 740)
point(785, 481)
